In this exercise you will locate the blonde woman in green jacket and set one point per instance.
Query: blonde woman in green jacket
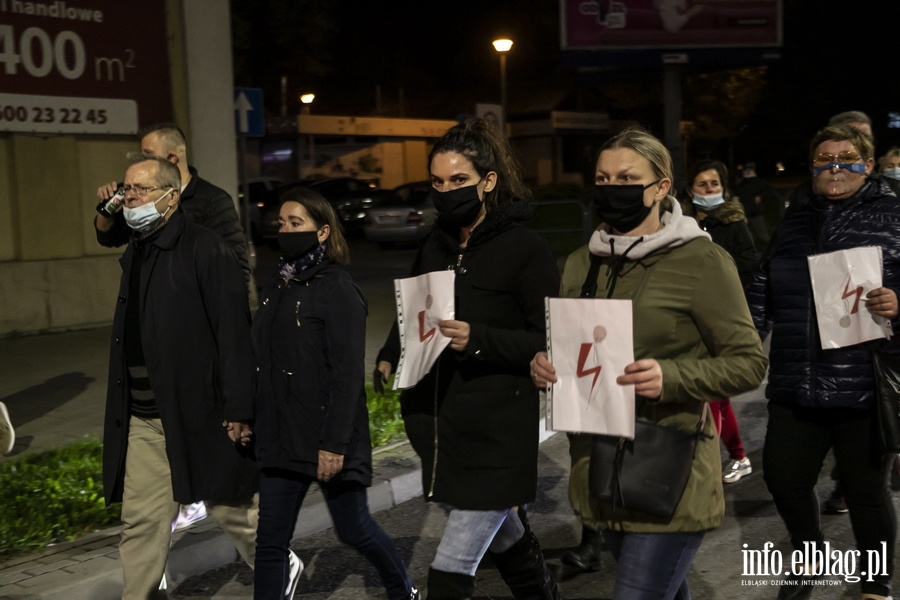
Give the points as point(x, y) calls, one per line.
point(694, 343)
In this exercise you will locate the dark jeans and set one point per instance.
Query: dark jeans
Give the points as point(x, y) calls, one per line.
point(281, 494)
point(652, 566)
point(797, 440)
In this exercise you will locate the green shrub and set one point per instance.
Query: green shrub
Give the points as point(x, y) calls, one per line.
point(52, 497)
point(57, 495)
point(385, 424)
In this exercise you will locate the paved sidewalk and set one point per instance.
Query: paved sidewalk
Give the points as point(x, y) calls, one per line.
point(89, 568)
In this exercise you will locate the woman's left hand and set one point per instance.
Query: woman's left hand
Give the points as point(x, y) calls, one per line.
point(882, 302)
point(646, 377)
point(458, 332)
point(330, 464)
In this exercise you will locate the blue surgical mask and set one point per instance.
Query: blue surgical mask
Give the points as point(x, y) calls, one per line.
point(145, 217)
point(892, 172)
point(709, 201)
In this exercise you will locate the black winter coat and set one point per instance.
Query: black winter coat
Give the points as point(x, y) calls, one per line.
point(309, 338)
point(204, 204)
point(195, 335)
point(727, 226)
point(473, 419)
point(800, 372)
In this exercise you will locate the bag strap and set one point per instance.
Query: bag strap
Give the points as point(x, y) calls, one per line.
point(589, 287)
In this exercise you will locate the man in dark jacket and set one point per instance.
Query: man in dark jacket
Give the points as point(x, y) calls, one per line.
point(201, 201)
point(180, 380)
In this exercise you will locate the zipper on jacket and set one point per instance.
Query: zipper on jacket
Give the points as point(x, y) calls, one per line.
point(457, 268)
point(435, 460)
point(297, 313)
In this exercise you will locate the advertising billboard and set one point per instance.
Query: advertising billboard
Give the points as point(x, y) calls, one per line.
point(83, 66)
point(669, 24)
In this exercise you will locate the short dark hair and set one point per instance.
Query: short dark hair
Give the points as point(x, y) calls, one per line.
point(322, 213)
point(170, 132)
point(705, 165)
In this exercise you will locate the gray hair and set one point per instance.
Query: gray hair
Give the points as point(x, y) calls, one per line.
point(167, 175)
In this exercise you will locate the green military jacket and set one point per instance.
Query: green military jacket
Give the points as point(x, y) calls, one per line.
point(690, 315)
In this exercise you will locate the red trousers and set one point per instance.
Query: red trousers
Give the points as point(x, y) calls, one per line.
point(726, 425)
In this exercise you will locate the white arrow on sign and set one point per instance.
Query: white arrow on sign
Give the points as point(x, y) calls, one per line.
point(243, 106)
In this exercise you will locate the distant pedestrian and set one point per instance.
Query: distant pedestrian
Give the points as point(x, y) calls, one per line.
point(179, 395)
point(722, 216)
point(889, 168)
point(823, 399)
point(694, 343)
point(473, 419)
point(759, 199)
point(309, 338)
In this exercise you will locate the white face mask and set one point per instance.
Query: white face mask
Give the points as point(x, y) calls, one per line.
point(892, 172)
point(708, 202)
point(145, 217)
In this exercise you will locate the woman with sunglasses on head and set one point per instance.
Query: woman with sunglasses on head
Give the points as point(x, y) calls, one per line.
point(311, 423)
point(473, 419)
point(821, 399)
point(722, 216)
point(694, 343)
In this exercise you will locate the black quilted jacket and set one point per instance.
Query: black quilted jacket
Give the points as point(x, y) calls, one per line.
point(780, 296)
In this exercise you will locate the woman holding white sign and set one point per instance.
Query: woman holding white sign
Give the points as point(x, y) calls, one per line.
point(694, 342)
point(823, 398)
point(473, 419)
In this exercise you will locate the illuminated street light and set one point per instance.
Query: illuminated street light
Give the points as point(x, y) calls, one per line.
point(307, 99)
point(502, 46)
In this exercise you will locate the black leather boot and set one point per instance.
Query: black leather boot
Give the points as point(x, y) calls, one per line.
point(523, 569)
point(586, 555)
point(449, 586)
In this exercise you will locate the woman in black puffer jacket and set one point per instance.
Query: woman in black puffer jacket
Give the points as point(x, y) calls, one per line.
point(818, 398)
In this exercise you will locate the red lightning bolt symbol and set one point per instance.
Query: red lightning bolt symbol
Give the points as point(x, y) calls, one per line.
point(582, 358)
point(858, 291)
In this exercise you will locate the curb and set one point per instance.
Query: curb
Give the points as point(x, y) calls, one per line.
point(89, 568)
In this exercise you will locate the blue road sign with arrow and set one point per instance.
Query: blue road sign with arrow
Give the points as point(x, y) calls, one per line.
point(249, 119)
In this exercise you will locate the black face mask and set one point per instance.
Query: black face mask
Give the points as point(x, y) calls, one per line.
point(457, 208)
point(295, 244)
point(621, 206)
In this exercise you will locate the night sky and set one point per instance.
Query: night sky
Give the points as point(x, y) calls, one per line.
point(836, 56)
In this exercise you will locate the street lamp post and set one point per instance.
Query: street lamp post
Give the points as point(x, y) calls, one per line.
point(502, 46)
point(307, 99)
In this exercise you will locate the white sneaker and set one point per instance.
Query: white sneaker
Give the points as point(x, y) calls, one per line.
point(189, 514)
point(735, 469)
point(7, 433)
point(294, 572)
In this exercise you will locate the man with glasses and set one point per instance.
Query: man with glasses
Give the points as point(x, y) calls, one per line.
point(180, 384)
point(201, 201)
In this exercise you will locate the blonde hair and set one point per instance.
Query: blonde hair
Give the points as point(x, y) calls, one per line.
point(647, 146)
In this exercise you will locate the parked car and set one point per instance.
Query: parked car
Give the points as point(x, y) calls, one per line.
point(263, 202)
point(350, 198)
point(406, 215)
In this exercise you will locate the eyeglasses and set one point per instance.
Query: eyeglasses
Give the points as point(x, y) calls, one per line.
point(140, 190)
point(846, 157)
